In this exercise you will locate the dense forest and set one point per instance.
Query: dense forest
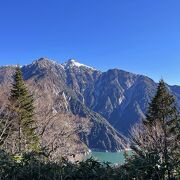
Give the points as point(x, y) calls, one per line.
point(155, 143)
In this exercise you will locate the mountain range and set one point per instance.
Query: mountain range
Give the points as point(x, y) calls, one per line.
point(110, 101)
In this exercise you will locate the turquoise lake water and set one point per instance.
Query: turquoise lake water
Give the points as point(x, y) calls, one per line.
point(112, 157)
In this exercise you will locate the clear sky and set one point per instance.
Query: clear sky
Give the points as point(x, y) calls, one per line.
point(141, 36)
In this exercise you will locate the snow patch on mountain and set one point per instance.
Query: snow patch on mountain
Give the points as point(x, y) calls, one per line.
point(120, 100)
point(73, 63)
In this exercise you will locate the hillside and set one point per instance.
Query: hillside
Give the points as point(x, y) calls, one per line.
point(108, 102)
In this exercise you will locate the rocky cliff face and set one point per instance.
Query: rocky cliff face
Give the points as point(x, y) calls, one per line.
point(120, 97)
point(111, 101)
point(57, 92)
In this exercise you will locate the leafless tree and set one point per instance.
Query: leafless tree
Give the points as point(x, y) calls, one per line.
point(9, 129)
point(148, 139)
point(59, 133)
point(5, 124)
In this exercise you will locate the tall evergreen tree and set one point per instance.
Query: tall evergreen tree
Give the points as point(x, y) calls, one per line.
point(156, 142)
point(21, 103)
point(162, 110)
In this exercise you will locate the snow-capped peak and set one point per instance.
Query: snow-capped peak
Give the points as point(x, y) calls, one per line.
point(74, 63)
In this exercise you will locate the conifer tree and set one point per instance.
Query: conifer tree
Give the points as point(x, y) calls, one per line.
point(156, 142)
point(162, 110)
point(21, 104)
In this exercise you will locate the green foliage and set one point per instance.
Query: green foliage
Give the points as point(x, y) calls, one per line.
point(163, 107)
point(144, 167)
point(34, 166)
point(21, 111)
point(146, 163)
point(159, 158)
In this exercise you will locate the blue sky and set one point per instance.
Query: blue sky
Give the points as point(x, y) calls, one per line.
point(141, 36)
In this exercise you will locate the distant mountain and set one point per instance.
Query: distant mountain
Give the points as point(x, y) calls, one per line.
point(112, 101)
point(48, 82)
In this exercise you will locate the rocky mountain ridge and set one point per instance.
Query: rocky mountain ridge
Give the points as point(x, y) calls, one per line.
point(112, 101)
point(47, 82)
